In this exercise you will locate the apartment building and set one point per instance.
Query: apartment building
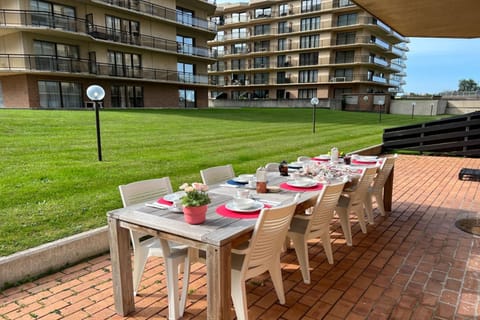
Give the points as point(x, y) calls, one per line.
point(143, 53)
point(302, 49)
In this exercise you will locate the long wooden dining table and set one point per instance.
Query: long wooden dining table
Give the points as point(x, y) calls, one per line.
point(216, 237)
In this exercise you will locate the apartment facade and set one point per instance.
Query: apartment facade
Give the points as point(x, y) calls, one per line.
point(302, 49)
point(144, 54)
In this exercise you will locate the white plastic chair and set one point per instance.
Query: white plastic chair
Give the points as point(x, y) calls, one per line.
point(376, 190)
point(173, 254)
point(217, 174)
point(315, 224)
point(272, 166)
point(304, 158)
point(354, 202)
point(261, 253)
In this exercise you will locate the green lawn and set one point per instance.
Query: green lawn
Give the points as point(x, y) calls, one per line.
point(52, 184)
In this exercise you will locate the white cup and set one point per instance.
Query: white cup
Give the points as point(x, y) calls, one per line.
point(243, 194)
point(178, 204)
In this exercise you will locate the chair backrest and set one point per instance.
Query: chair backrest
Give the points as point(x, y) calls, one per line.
point(272, 166)
point(304, 158)
point(217, 174)
point(324, 208)
point(384, 172)
point(145, 190)
point(361, 189)
point(268, 238)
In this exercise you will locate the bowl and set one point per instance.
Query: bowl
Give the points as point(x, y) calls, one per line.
point(243, 203)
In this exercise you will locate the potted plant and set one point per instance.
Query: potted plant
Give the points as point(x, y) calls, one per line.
point(195, 202)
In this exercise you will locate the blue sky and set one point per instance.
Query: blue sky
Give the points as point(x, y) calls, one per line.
point(435, 65)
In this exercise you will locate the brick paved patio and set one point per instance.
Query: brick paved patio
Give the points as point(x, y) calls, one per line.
point(412, 264)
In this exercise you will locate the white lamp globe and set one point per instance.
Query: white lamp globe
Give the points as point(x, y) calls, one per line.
point(95, 92)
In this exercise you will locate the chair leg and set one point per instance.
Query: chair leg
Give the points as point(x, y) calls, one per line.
point(275, 271)
point(327, 246)
point(345, 223)
point(301, 250)
point(368, 208)
point(186, 281)
point(361, 217)
point(172, 288)
point(139, 261)
point(379, 199)
point(239, 295)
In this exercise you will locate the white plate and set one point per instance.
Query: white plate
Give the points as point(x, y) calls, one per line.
point(172, 197)
point(302, 183)
point(255, 206)
point(323, 157)
point(367, 158)
point(243, 178)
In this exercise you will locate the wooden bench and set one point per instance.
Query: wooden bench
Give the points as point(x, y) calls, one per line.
point(469, 174)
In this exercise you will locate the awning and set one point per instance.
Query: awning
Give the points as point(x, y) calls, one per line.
point(428, 18)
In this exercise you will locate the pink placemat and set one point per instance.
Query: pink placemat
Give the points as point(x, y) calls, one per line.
point(321, 160)
point(223, 211)
point(163, 201)
point(286, 186)
point(364, 162)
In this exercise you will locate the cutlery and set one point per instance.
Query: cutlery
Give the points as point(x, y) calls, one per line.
point(157, 205)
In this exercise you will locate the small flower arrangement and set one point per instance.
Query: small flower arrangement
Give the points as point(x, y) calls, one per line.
point(196, 194)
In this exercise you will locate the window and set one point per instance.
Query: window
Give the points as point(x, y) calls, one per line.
point(343, 75)
point(185, 16)
point(218, 51)
point(53, 15)
point(55, 56)
point(345, 3)
point(282, 77)
point(239, 33)
point(310, 5)
point(239, 17)
point(262, 29)
point(284, 27)
point(307, 93)
point(282, 44)
point(238, 64)
point(261, 46)
point(284, 9)
point(310, 24)
point(187, 98)
point(185, 44)
point(346, 38)
point(127, 96)
point(282, 61)
point(239, 48)
point(263, 12)
point(260, 94)
point(57, 94)
point(344, 56)
point(347, 19)
point(309, 58)
point(124, 64)
point(260, 78)
point(261, 62)
point(312, 41)
point(186, 72)
point(238, 79)
point(306, 76)
point(122, 30)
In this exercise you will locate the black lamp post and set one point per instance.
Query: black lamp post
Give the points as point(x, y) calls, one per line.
point(314, 103)
point(96, 94)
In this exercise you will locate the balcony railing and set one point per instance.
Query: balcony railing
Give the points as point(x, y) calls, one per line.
point(56, 21)
point(164, 13)
point(45, 63)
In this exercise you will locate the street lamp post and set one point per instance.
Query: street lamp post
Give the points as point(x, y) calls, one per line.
point(314, 103)
point(380, 105)
point(96, 94)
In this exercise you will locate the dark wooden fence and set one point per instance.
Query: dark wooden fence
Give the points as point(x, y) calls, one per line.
point(456, 136)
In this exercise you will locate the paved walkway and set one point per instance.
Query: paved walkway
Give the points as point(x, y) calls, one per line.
point(412, 264)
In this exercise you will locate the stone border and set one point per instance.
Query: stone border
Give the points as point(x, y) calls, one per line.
point(53, 256)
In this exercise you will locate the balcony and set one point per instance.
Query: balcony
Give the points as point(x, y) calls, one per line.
point(162, 12)
point(35, 19)
point(44, 63)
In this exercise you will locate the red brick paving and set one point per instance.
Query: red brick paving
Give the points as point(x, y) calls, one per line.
point(412, 264)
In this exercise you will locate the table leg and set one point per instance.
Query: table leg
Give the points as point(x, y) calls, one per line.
point(219, 282)
point(387, 192)
point(119, 239)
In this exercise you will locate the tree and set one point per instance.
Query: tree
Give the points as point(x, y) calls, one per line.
point(467, 85)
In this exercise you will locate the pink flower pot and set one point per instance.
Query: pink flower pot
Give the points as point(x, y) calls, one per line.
point(195, 215)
